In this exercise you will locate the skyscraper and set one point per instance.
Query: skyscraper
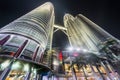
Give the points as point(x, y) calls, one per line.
point(23, 41)
point(84, 33)
point(94, 43)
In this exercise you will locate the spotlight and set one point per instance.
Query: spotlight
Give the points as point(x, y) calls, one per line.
point(84, 50)
point(70, 49)
point(78, 49)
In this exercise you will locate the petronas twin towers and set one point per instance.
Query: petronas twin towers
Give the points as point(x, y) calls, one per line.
point(23, 41)
point(84, 33)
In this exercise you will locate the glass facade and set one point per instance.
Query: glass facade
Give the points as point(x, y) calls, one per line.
point(22, 45)
point(92, 57)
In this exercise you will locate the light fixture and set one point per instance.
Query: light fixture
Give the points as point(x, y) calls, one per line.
point(84, 50)
point(16, 65)
point(70, 49)
point(78, 49)
point(26, 67)
point(5, 64)
point(55, 62)
point(34, 71)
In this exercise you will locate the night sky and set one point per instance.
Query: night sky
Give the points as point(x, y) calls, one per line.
point(105, 13)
